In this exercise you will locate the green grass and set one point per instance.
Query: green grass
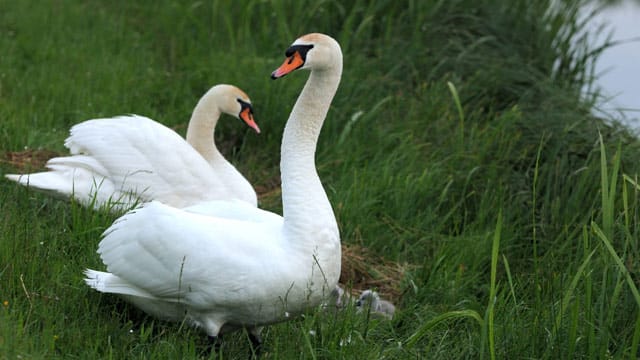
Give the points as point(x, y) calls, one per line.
point(458, 143)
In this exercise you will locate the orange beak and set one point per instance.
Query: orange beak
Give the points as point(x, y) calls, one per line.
point(247, 116)
point(291, 63)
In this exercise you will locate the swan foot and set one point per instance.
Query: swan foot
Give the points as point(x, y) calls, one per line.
point(256, 345)
point(215, 343)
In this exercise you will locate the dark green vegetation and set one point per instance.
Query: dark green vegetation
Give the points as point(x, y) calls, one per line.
point(458, 143)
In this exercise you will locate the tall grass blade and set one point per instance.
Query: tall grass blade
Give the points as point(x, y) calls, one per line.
point(608, 188)
point(507, 269)
point(489, 315)
point(636, 338)
point(450, 315)
point(620, 264)
point(569, 292)
point(456, 100)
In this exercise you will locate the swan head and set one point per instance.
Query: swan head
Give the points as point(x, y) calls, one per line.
point(313, 51)
point(368, 297)
point(235, 102)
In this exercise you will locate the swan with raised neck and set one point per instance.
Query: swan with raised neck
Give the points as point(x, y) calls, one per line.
point(303, 197)
point(229, 99)
point(229, 265)
point(125, 160)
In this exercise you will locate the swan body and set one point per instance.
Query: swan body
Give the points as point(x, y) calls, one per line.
point(125, 160)
point(225, 265)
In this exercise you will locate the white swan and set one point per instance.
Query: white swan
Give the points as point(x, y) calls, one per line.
point(226, 265)
point(129, 159)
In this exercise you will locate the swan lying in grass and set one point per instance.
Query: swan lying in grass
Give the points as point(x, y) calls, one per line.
point(118, 162)
point(228, 265)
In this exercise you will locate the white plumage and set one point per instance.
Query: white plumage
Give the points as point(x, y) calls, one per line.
point(224, 265)
point(129, 159)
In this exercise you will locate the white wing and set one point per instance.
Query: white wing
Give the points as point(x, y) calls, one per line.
point(117, 157)
point(201, 260)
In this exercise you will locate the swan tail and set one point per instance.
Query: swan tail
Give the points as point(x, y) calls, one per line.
point(81, 177)
point(58, 183)
point(108, 283)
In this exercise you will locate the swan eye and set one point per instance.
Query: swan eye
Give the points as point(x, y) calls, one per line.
point(302, 50)
point(245, 108)
point(296, 57)
point(244, 104)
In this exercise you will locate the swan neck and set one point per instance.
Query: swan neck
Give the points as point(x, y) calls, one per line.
point(201, 135)
point(201, 130)
point(306, 207)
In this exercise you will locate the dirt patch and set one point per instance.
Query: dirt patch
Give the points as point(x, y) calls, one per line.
point(362, 271)
point(28, 160)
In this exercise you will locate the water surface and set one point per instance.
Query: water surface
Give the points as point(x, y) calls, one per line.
point(618, 68)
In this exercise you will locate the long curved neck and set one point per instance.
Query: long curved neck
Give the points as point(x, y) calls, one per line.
point(200, 135)
point(202, 126)
point(306, 207)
